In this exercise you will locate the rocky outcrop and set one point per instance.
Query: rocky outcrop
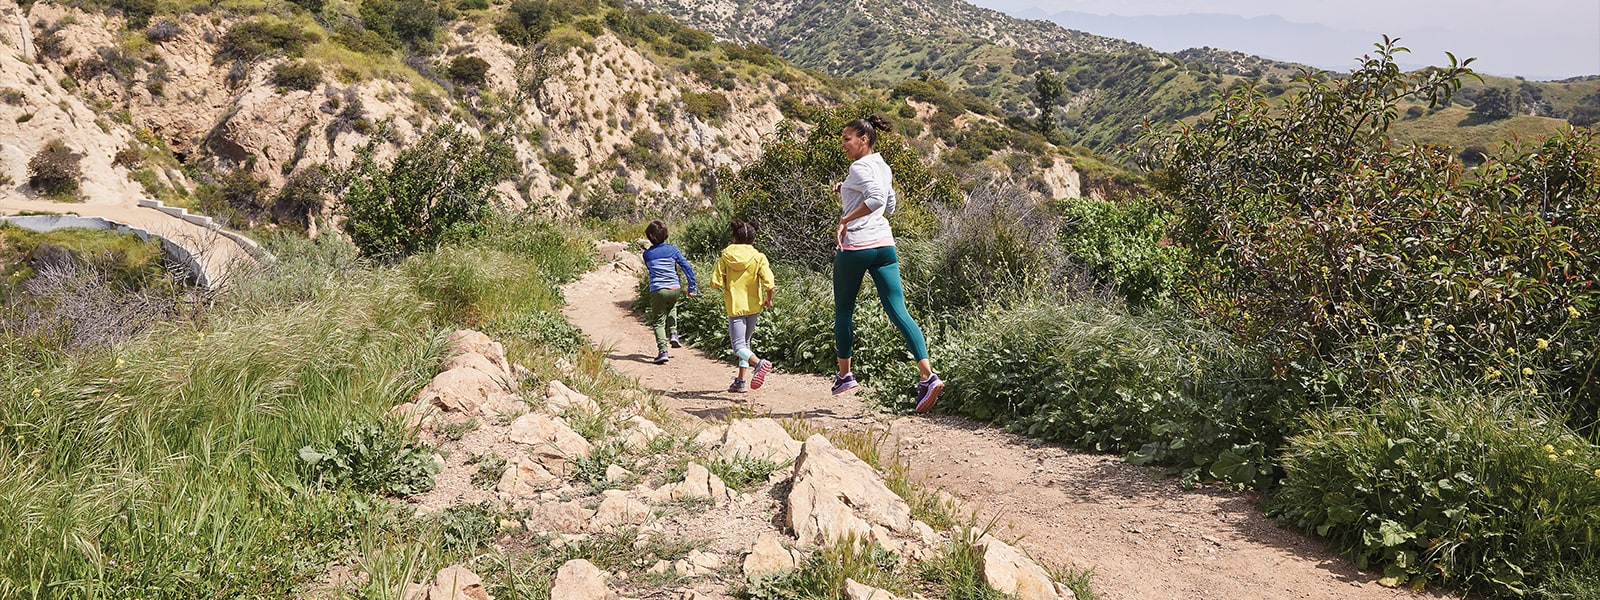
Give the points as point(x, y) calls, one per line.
point(581, 580)
point(1010, 571)
point(758, 438)
point(838, 496)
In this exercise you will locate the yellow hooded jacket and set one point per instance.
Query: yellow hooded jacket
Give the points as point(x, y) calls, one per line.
point(742, 274)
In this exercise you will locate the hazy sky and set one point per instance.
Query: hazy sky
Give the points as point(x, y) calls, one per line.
point(1543, 38)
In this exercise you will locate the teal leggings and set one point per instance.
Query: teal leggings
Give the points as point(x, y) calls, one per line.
point(884, 265)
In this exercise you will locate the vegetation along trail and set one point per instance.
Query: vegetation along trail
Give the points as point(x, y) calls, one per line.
point(1143, 535)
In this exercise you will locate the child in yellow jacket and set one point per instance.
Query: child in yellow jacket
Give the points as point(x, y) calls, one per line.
point(745, 278)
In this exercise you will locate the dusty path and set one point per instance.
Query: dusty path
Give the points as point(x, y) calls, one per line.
point(1144, 536)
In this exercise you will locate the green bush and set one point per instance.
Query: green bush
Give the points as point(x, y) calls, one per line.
point(1477, 490)
point(410, 23)
point(258, 38)
point(469, 71)
point(1123, 246)
point(443, 181)
point(297, 75)
point(371, 459)
point(55, 170)
point(707, 106)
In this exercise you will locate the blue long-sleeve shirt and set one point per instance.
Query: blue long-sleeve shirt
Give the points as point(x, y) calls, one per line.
point(662, 261)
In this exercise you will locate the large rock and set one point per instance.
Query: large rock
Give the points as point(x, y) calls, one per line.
point(524, 478)
point(617, 508)
point(768, 556)
point(466, 340)
point(698, 483)
point(759, 438)
point(457, 583)
point(466, 390)
point(563, 517)
point(641, 432)
point(581, 580)
point(553, 442)
point(698, 563)
point(558, 398)
point(473, 360)
point(1009, 570)
point(854, 590)
point(837, 495)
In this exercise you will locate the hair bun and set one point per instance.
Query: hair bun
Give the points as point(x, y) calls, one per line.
point(879, 122)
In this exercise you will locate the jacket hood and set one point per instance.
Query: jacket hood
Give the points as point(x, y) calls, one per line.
point(740, 257)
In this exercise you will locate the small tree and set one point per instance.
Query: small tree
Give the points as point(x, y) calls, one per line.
point(1498, 103)
point(444, 180)
point(468, 70)
point(55, 170)
point(1048, 90)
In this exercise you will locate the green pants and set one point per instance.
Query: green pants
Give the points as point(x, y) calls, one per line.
point(884, 265)
point(664, 315)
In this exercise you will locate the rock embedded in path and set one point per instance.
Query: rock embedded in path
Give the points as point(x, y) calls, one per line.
point(580, 580)
point(457, 583)
point(763, 439)
point(854, 590)
point(837, 495)
point(1011, 571)
point(768, 556)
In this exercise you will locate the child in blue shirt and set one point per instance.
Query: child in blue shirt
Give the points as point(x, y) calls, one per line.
point(662, 261)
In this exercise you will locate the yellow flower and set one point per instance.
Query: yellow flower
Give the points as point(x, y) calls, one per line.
point(1450, 328)
point(36, 392)
point(1427, 322)
point(119, 362)
point(1552, 458)
point(1549, 449)
point(1572, 312)
point(1597, 473)
point(1543, 343)
point(1527, 371)
point(1569, 452)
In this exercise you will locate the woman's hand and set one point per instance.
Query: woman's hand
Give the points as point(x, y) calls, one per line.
point(838, 236)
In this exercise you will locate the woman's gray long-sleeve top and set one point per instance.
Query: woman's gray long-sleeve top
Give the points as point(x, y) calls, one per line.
point(870, 183)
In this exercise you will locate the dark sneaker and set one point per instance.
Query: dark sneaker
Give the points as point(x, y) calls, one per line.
point(762, 369)
point(676, 341)
point(928, 392)
point(662, 358)
point(737, 387)
point(843, 383)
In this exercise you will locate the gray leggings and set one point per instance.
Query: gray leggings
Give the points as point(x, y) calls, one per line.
point(740, 330)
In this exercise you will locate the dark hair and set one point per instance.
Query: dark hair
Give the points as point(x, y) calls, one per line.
point(869, 127)
point(744, 231)
point(656, 231)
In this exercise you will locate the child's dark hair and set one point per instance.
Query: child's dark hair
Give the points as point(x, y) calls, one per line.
point(744, 231)
point(656, 232)
point(869, 128)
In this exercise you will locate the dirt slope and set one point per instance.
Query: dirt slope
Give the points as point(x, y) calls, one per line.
point(1144, 536)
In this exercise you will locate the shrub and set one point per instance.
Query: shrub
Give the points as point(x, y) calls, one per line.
point(528, 21)
point(561, 163)
point(301, 198)
point(999, 244)
point(412, 23)
point(1123, 246)
point(707, 106)
point(258, 38)
point(444, 180)
point(298, 75)
point(1482, 491)
point(371, 459)
point(469, 71)
point(163, 31)
point(55, 169)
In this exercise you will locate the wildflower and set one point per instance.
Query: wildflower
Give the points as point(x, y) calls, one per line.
point(1552, 458)
point(1572, 312)
point(1548, 449)
point(1543, 343)
point(1427, 322)
point(1568, 452)
point(119, 362)
point(1527, 371)
point(36, 392)
point(1597, 473)
point(1450, 328)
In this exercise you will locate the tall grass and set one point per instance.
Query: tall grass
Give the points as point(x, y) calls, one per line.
point(169, 466)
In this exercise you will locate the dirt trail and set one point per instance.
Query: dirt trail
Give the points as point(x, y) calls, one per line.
point(1144, 536)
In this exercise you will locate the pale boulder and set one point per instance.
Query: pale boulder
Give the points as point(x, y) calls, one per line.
point(836, 495)
point(617, 508)
point(698, 483)
point(473, 360)
point(558, 398)
point(641, 432)
point(854, 590)
point(457, 583)
point(464, 390)
point(1009, 570)
point(768, 556)
point(759, 438)
point(553, 442)
point(524, 478)
point(466, 340)
point(562, 517)
point(581, 580)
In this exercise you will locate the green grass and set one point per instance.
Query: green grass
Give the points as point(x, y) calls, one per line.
point(171, 463)
point(129, 261)
point(1458, 128)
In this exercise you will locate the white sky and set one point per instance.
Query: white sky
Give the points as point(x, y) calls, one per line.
point(1544, 37)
